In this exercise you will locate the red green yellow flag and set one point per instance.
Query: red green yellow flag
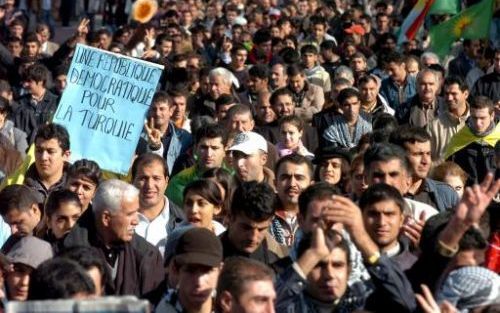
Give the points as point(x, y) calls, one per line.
point(414, 20)
point(472, 23)
point(445, 7)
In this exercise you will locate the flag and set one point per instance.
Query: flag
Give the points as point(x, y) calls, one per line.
point(445, 7)
point(472, 23)
point(414, 20)
point(18, 176)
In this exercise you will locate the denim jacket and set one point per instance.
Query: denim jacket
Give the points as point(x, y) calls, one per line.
point(390, 91)
point(442, 194)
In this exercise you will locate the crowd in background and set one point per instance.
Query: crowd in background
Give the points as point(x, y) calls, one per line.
point(295, 158)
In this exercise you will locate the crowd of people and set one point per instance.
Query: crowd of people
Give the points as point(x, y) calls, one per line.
point(295, 158)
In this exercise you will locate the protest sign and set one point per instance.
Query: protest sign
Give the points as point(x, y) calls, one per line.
point(104, 105)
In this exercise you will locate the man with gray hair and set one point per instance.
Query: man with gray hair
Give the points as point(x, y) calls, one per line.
point(135, 265)
point(426, 104)
point(221, 81)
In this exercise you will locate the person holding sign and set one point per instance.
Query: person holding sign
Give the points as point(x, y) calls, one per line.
point(160, 135)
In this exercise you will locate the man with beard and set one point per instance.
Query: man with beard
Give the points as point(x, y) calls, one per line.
point(294, 173)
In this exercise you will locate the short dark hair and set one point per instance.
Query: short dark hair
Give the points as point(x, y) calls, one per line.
point(58, 197)
point(37, 72)
point(32, 37)
point(59, 278)
point(161, 96)
point(309, 48)
point(407, 134)
point(294, 70)
point(262, 35)
point(87, 168)
point(395, 57)
point(238, 271)
point(147, 159)
point(296, 159)
point(385, 152)
point(207, 189)
point(54, 131)
point(260, 71)
point(317, 191)
point(482, 102)
point(17, 197)
point(211, 131)
point(88, 257)
point(257, 201)
point(347, 93)
point(317, 19)
point(452, 80)
point(278, 93)
point(382, 192)
point(239, 109)
point(224, 99)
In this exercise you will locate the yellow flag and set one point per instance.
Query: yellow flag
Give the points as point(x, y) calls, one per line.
point(18, 176)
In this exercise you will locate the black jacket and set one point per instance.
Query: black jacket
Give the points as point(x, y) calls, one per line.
point(140, 269)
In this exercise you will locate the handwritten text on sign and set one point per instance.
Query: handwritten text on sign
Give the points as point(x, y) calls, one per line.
point(104, 104)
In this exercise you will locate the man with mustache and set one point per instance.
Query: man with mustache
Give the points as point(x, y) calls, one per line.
point(136, 266)
point(294, 173)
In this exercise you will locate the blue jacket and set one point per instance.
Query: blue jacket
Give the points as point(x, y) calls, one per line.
point(180, 141)
point(390, 91)
point(442, 194)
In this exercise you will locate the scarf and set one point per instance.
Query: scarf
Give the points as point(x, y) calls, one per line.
point(466, 136)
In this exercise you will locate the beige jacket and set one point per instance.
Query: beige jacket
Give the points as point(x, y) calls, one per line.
point(441, 129)
point(312, 102)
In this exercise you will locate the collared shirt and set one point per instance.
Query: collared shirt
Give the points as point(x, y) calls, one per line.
point(155, 231)
point(423, 195)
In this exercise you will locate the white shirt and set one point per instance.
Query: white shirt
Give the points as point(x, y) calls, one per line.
point(155, 231)
point(416, 208)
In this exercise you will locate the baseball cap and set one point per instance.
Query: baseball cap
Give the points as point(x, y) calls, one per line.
point(355, 29)
point(199, 246)
point(249, 143)
point(30, 251)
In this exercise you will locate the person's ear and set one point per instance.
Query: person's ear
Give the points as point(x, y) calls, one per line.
point(263, 158)
point(35, 209)
point(226, 301)
point(217, 210)
point(106, 218)
point(66, 155)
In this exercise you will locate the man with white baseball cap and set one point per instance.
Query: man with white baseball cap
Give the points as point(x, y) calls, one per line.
point(249, 154)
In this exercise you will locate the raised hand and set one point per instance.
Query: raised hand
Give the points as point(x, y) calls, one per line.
point(413, 229)
point(82, 29)
point(154, 134)
point(476, 199)
point(429, 305)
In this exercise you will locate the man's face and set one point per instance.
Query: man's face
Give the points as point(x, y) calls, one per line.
point(64, 218)
point(152, 183)
point(427, 87)
point(265, 113)
point(369, 91)
point(179, 105)
point(161, 113)
point(249, 167)
point(283, 106)
point(473, 50)
point(330, 170)
point(43, 35)
point(318, 31)
point(83, 187)
point(16, 31)
point(358, 64)
point(166, 47)
point(256, 84)
point(60, 83)
point(350, 109)
point(23, 222)
point(222, 111)
point(197, 283)
point(481, 119)
point(211, 152)
point(278, 76)
point(309, 60)
point(327, 281)
point(121, 224)
point(218, 87)
point(454, 97)
point(266, 47)
point(391, 173)
point(419, 155)
point(291, 180)
point(240, 57)
point(104, 41)
point(257, 297)
point(297, 82)
point(383, 221)
point(15, 48)
point(17, 282)
point(396, 71)
point(242, 122)
point(50, 158)
point(314, 215)
point(247, 235)
point(33, 87)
